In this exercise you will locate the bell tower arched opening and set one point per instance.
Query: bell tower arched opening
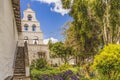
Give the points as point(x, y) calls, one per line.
point(29, 17)
point(35, 40)
point(34, 27)
point(25, 27)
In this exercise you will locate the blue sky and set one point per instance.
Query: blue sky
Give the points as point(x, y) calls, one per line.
point(50, 16)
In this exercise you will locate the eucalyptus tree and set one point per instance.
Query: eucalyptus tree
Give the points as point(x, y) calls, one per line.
point(84, 33)
point(107, 14)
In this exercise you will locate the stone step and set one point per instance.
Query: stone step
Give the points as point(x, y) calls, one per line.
point(19, 67)
point(22, 64)
point(17, 61)
point(16, 70)
point(19, 71)
point(20, 59)
point(20, 56)
point(19, 75)
point(17, 64)
point(21, 78)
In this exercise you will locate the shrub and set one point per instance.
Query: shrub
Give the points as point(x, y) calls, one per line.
point(107, 63)
point(35, 73)
point(40, 71)
point(53, 74)
point(65, 67)
point(41, 63)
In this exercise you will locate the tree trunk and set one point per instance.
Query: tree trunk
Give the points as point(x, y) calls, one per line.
point(107, 31)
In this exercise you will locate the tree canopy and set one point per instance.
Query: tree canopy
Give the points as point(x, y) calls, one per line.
point(60, 50)
point(95, 23)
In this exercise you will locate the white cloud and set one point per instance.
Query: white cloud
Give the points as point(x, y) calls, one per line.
point(45, 41)
point(57, 6)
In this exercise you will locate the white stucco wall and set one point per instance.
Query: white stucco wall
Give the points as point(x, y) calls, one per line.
point(8, 38)
point(59, 61)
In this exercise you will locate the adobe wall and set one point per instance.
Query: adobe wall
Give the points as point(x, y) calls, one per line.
point(8, 38)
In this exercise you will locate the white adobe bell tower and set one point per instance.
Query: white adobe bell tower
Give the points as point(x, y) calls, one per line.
point(30, 28)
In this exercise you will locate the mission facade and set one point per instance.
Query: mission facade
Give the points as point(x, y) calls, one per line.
point(32, 34)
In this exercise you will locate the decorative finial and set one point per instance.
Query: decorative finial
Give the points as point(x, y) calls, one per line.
point(28, 5)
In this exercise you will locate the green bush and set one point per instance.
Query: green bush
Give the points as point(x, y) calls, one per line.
point(107, 63)
point(66, 67)
point(35, 73)
point(41, 63)
point(51, 71)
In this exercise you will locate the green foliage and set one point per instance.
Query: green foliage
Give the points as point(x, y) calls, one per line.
point(60, 50)
point(84, 32)
point(84, 79)
point(57, 49)
point(40, 67)
point(39, 64)
point(95, 23)
point(66, 3)
point(107, 63)
point(108, 16)
point(66, 67)
point(51, 71)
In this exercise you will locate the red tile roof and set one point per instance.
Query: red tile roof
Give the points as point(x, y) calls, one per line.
point(17, 14)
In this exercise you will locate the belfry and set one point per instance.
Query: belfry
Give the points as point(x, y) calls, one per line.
point(32, 34)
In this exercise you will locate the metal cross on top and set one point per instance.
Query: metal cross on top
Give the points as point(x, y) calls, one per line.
point(28, 5)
